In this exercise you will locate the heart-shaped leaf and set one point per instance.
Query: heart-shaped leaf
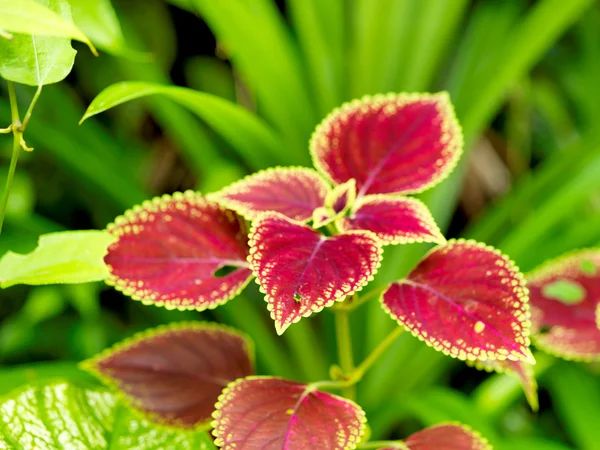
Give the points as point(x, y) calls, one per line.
point(522, 370)
point(447, 437)
point(175, 373)
point(273, 413)
point(292, 191)
point(394, 219)
point(180, 252)
point(61, 416)
point(466, 300)
point(301, 271)
point(565, 297)
point(396, 143)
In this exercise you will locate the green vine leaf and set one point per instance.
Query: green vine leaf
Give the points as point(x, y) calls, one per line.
point(62, 416)
point(43, 55)
point(64, 257)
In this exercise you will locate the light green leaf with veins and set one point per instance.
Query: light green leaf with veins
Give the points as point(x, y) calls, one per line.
point(37, 59)
point(63, 257)
point(62, 416)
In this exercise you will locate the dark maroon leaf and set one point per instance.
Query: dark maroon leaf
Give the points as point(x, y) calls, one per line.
point(466, 300)
point(396, 143)
point(180, 252)
point(394, 219)
point(447, 437)
point(342, 197)
point(265, 413)
point(301, 271)
point(292, 191)
point(565, 294)
point(176, 373)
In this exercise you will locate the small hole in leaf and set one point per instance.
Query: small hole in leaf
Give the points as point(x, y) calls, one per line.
point(297, 297)
point(565, 291)
point(588, 267)
point(225, 270)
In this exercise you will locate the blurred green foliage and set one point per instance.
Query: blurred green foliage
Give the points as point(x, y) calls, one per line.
point(523, 77)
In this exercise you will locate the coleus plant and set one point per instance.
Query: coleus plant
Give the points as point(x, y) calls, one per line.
point(311, 239)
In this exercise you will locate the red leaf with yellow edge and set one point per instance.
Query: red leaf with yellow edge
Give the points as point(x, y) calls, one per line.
point(301, 271)
point(342, 197)
point(180, 252)
point(175, 373)
point(292, 191)
point(447, 437)
point(394, 219)
point(522, 370)
point(466, 300)
point(276, 414)
point(565, 294)
point(395, 143)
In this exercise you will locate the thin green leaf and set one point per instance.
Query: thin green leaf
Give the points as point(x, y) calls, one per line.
point(261, 48)
point(60, 416)
point(249, 136)
point(576, 396)
point(64, 257)
point(36, 59)
point(39, 17)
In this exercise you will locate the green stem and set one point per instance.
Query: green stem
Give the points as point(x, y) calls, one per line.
point(31, 106)
point(360, 300)
point(344, 345)
point(17, 136)
point(379, 350)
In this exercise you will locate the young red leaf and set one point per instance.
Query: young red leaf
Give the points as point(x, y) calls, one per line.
point(394, 219)
point(302, 271)
point(180, 252)
point(466, 300)
point(523, 371)
point(565, 294)
point(396, 143)
point(176, 373)
point(322, 216)
point(447, 437)
point(292, 191)
point(342, 197)
point(273, 413)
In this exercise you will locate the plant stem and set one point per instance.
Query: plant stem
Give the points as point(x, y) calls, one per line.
point(31, 106)
point(17, 136)
point(344, 345)
point(360, 300)
point(379, 350)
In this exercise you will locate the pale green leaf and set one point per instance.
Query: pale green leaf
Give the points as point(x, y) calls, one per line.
point(98, 20)
point(61, 416)
point(63, 257)
point(36, 59)
point(40, 18)
point(251, 138)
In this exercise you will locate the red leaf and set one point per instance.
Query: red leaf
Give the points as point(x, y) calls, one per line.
point(302, 271)
point(292, 191)
point(176, 373)
point(276, 414)
point(465, 300)
point(394, 219)
point(397, 143)
point(446, 437)
point(522, 370)
point(342, 197)
point(177, 252)
point(565, 294)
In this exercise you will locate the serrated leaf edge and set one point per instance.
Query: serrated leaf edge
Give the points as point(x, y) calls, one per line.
point(150, 206)
point(450, 126)
point(280, 328)
point(90, 365)
point(526, 324)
